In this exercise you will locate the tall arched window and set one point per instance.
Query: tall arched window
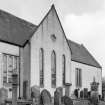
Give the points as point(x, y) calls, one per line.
point(53, 69)
point(41, 66)
point(63, 69)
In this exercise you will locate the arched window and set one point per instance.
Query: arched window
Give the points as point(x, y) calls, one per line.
point(63, 69)
point(41, 66)
point(53, 69)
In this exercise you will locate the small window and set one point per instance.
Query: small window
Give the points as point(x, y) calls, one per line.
point(41, 67)
point(53, 37)
point(53, 69)
point(78, 77)
point(63, 69)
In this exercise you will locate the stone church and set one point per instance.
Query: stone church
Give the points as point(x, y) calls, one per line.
point(43, 56)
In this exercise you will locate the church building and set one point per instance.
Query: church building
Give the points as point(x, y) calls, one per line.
point(43, 56)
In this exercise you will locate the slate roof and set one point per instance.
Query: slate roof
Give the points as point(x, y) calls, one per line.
point(14, 30)
point(82, 55)
point(18, 31)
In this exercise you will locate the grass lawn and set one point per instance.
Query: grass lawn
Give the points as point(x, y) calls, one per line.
point(85, 102)
point(102, 103)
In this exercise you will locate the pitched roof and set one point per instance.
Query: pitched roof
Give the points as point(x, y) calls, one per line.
point(18, 31)
point(82, 55)
point(14, 30)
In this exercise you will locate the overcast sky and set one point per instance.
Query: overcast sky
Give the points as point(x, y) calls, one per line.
point(83, 20)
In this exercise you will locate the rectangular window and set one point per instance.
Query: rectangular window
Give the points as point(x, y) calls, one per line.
point(78, 77)
point(10, 65)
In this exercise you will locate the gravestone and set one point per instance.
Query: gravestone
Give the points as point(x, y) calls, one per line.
point(67, 101)
point(94, 98)
point(103, 95)
point(81, 94)
point(67, 88)
point(57, 96)
point(76, 93)
point(85, 93)
point(60, 90)
point(45, 97)
point(89, 94)
point(35, 94)
point(3, 95)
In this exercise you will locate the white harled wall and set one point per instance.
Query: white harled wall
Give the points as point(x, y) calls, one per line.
point(88, 73)
point(42, 39)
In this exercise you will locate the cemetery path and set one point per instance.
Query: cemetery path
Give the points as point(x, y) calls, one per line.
point(102, 103)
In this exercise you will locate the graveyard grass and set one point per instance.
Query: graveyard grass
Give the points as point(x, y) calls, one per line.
point(85, 102)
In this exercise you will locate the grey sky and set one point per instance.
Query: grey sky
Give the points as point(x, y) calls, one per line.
point(83, 20)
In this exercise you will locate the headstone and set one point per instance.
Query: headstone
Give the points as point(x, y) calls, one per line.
point(60, 90)
point(81, 94)
point(85, 93)
point(35, 94)
point(57, 97)
point(73, 96)
point(3, 95)
point(45, 97)
point(67, 101)
point(94, 97)
point(89, 94)
point(104, 95)
point(76, 92)
point(67, 88)
point(94, 85)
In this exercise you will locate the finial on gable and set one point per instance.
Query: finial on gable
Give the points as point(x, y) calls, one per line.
point(53, 6)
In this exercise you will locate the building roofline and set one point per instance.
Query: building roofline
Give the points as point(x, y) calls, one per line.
point(86, 64)
point(52, 7)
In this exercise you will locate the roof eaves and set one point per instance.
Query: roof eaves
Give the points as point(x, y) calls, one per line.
point(11, 43)
point(98, 65)
point(86, 63)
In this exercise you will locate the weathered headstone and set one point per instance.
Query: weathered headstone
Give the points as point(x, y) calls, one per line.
point(35, 94)
point(81, 94)
point(57, 97)
point(103, 95)
point(73, 96)
point(94, 98)
point(85, 93)
point(89, 94)
point(67, 101)
point(45, 97)
point(3, 95)
point(76, 92)
point(67, 88)
point(60, 90)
